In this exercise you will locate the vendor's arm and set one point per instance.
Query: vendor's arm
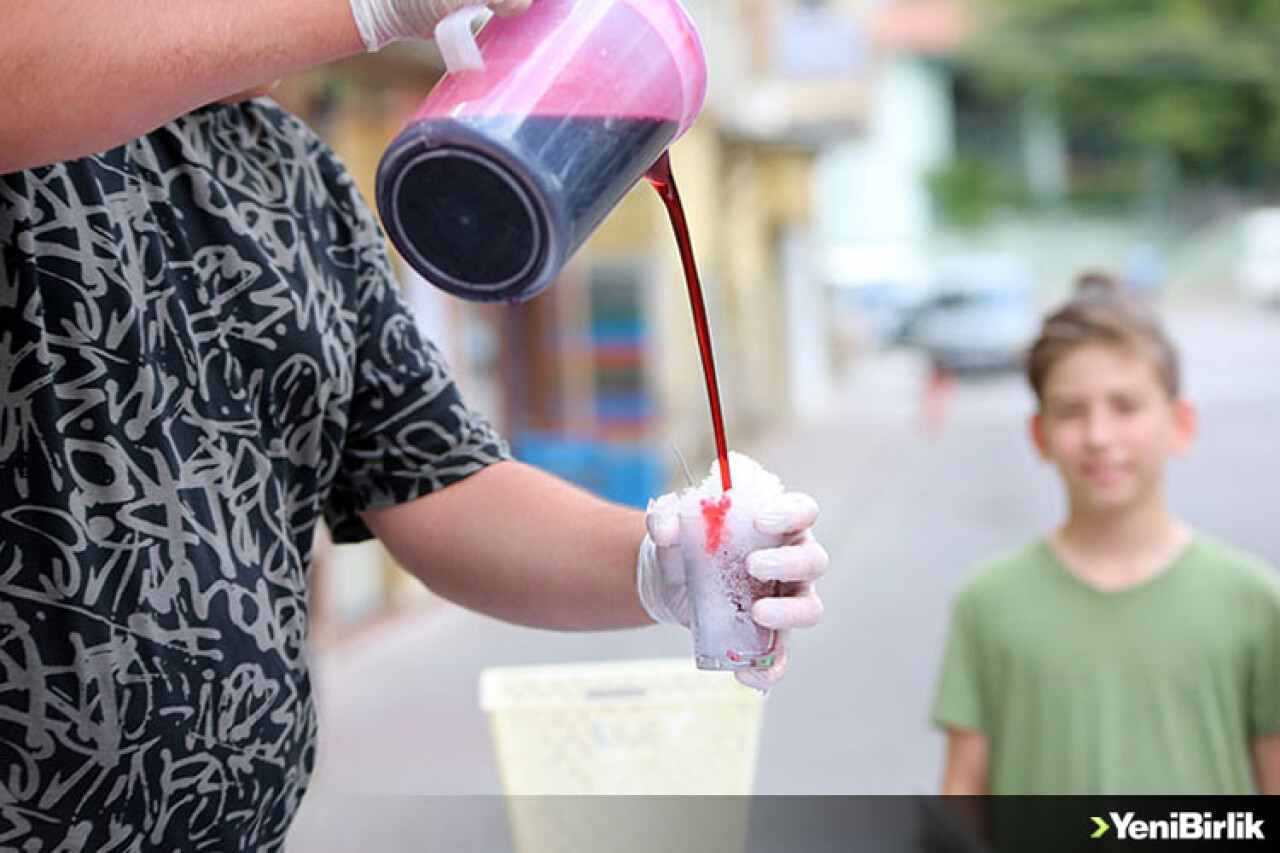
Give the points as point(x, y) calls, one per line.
point(82, 76)
point(518, 544)
point(87, 75)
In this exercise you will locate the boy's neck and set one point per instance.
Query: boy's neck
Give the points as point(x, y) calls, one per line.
point(1114, 551)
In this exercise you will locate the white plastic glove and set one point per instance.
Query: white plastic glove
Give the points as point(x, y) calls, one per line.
point(796, 564)
point(383, 21)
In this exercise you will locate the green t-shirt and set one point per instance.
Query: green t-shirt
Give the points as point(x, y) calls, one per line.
point(1156, 689)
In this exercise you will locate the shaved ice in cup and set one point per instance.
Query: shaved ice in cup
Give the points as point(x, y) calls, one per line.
point(717, 534)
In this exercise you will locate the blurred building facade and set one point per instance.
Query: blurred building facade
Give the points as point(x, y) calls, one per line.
point(596, 378)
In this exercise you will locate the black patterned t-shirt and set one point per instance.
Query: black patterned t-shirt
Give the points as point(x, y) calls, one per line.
point(202, 351)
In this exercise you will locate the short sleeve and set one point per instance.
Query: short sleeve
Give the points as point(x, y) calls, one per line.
point(958, 700)
point(1264, 663)
point(409, 432)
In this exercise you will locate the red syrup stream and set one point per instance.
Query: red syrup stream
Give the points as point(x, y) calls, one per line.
point(713, 510)
point(663, 181)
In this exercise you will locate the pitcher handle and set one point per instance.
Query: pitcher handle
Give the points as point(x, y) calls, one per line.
point(457, 42)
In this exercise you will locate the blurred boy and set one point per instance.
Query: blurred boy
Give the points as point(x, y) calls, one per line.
point(1123, 653)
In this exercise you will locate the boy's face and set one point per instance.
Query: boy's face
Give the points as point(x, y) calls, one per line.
point(1108, 424)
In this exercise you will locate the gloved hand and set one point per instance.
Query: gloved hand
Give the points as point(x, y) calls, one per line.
point(796, 564)
point(383, 21)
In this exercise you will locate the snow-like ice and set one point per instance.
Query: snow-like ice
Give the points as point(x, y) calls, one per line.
point(715, 556)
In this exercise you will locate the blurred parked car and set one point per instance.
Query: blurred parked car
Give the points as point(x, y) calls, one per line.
point(981, 318)
point(1259, 271)
point(879, 287)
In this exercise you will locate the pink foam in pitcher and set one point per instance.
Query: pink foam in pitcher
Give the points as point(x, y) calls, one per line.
point(635, 58)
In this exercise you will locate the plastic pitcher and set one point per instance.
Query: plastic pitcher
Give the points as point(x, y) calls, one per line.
point(517, 156)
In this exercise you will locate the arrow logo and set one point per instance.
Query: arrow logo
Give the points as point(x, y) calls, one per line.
point(1102, 828)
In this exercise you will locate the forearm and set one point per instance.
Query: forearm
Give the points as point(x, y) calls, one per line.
point(967, 767)
point(87, 75)
point(522, 546)
point(1266, 763)
point(954, 785)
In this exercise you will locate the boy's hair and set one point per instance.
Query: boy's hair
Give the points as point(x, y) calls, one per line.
point(1102, 312)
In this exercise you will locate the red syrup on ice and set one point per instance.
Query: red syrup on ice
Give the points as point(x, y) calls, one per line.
point(663, 181)
point(714, 512)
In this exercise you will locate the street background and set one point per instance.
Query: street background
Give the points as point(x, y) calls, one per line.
point(874, 186)
point(906, 512)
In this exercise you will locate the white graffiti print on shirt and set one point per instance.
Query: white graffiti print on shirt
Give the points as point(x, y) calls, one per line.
point(201, 350)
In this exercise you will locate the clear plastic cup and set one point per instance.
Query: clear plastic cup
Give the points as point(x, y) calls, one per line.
point(505, 170)
point(716, 538)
